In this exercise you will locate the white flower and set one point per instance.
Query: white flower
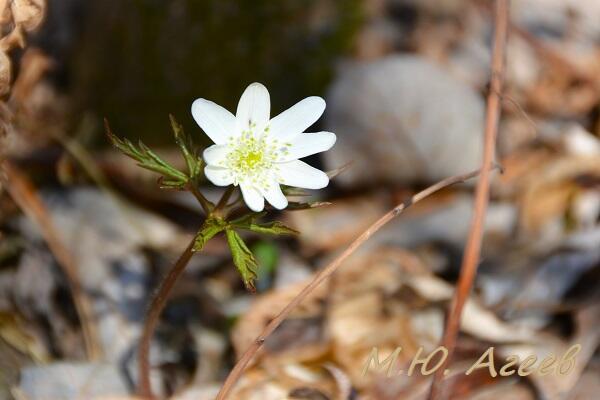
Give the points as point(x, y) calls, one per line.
point(259, 153)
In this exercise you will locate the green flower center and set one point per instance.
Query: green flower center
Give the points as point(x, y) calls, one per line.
point(251, 158)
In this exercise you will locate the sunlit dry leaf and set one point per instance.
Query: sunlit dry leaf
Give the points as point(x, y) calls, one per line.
point(476, 320)
point(14, 39)
point(5, 14)
point(34, 64)
point(344, 384)
point(28, 13)
point(587, 335)
point(266, 308)
point(16, 335)
point(547, 183)
point(550, 192)
point(5, 73)
point(329, 227)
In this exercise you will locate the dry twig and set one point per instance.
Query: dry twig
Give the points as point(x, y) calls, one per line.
point(472, 252)
point(325, 273)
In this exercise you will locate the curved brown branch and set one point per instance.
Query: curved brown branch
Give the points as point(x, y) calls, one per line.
point(159, 300)
point(325, 273)
point(472, 251)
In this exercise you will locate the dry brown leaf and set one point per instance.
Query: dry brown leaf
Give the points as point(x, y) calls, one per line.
point(14, 333)
point(333, 226)
point(550, 191)
point(344, 384)
point(5, 14)
point(556, 385)
point(504, 390)
point(476, 320)
point(14, 39)
point(383, 298)
point(28, 13)
point(545, 183)
point(285, 382)
point(267, 306)
point(5, 73)
point(34, 65)
point(588, 386)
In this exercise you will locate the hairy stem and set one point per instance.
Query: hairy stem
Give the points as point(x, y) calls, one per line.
point(207, 206)
point(472, 251)
point(325, 273)
point(224, 199)
point(159, 300)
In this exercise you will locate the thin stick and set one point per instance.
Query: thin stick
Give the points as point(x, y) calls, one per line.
point(472, 252)
point(325, 273)
point(24, 194)
point(159, 300)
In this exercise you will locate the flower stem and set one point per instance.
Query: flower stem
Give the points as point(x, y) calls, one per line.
point(156, 306)
point(207, 206)
point(224, 199)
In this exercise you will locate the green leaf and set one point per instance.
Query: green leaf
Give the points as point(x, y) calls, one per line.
point(171, 184)
point(190, 153)
point(248, 222)
point(209, 229)
point(248, 218)
point(267, 257)
point(242, 258)
point(147, 159)
point(271, 228)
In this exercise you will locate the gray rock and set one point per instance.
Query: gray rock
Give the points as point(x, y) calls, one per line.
point(554, 18)
point(105, 237)
point(403, 119)
point(72, 381)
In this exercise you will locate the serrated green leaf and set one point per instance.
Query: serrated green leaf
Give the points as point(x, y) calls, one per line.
point(171, 184)
point(189, 151)
point(146, 158)
point(248, 218)
point(242, 258)
point(271, 228)
point(207, 231)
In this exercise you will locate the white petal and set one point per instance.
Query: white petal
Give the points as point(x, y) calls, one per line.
point(296, 119)
point(216, 154)
point(218, 176)
point(252, 197)
point(254, 107)
point(274, 196)
point(215, 121)
point(299, 174)
point(307, 144)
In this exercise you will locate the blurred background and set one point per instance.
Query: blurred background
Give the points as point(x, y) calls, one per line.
point(85, 235)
